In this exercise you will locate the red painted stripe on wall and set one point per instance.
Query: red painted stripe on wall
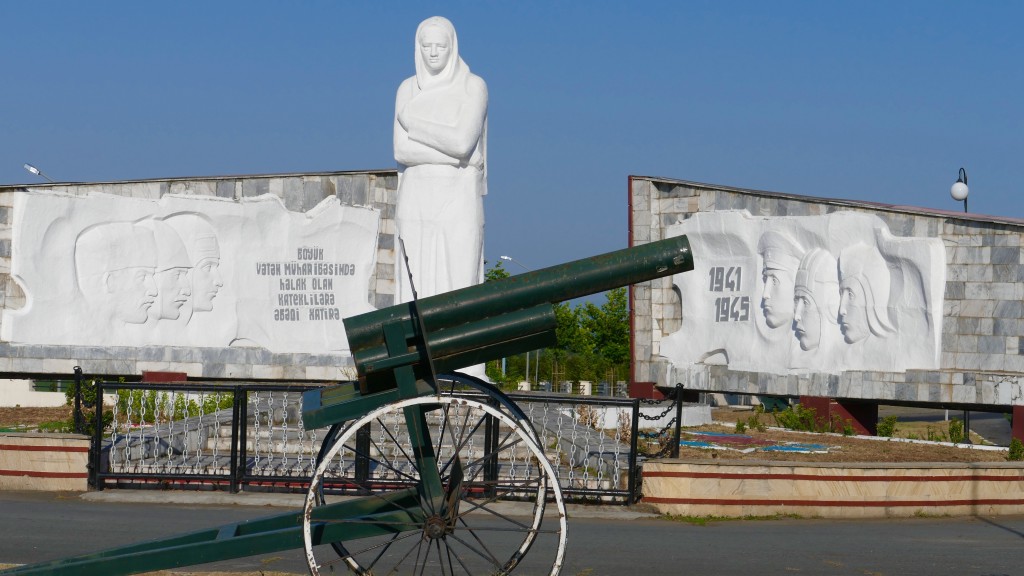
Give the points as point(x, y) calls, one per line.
point(834, 503)
point(33, 474)
point(814, 477)
point(24, 448)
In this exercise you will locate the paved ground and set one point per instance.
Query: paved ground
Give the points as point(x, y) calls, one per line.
point(603, 540)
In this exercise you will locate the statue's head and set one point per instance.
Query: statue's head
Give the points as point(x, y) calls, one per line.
point(115, 264)
point(437, 49)
point(781, 256)
point(815, 297)
point(864, 282)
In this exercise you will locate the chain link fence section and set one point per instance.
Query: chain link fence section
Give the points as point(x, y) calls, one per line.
point(664, 441)
point(191, 434)
point(252, 435)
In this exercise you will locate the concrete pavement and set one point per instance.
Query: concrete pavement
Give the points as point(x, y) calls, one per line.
point(41, 526)
point(295, 501)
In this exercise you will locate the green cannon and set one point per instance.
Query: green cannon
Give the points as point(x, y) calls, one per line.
point(450, 476)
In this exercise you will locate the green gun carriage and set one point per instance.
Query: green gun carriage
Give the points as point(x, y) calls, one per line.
point(438, 507)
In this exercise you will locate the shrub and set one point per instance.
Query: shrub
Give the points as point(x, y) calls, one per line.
point(1016, 450)
point(741, 426)
point(137, 405)
point(956, 431)
point(935, 436)
point(887, 427)
point(88, 412)
point(754, 422)
point(797, 417)
point(838, 424)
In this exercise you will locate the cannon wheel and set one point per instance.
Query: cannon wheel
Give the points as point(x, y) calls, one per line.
point(481, 534)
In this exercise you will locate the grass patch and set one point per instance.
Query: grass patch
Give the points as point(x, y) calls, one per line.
point(923, 514)
point(934, 431)
point(705, 520)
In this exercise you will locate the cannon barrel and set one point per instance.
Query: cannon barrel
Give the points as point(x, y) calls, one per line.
point(460, 314)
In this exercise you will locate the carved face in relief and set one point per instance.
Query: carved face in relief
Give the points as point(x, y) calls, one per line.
point(206, 283)
point(172, 271)
point(115, 263)
point(864, 284)
point(175, 291)
point(434, 46)
point(203, 249)
point(806, 320)
point(853, 315)
point(781, 257)
point(775, 300)
point(133, 291)
point(815, 297)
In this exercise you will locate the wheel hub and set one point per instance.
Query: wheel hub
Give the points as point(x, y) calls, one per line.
point(435, 527)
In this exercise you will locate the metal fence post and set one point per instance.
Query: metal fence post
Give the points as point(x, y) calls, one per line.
point(491, 448)
point(633, 468)
point(679, 420)
point(363, 455)
point(236, 412)
point(97, 441)
point(242, 463)
point(78, 400)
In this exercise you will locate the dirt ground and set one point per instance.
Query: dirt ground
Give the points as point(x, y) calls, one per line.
point(841, 448)
point(22, 416)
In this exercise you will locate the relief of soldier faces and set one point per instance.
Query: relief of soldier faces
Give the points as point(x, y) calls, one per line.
point(145, 272)
point(821, 298)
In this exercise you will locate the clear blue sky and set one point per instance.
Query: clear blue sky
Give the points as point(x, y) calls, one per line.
point(880, 101)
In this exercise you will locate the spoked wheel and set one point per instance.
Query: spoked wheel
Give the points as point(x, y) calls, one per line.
point(495, 484)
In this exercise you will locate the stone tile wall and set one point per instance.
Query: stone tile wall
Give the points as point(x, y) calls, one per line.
point(982, 345)
point(299, 192)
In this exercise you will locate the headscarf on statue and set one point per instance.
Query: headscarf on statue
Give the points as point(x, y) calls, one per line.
point(444, 94)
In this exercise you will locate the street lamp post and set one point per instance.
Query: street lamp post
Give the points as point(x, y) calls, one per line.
point(959, 190)
point(523, 266)
point(511, 259)
point(36, 171)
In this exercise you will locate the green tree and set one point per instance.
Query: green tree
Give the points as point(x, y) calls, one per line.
point(514, 369)
point(608, 326)
point(496, 272)
point(593, 342)
point(572, 336)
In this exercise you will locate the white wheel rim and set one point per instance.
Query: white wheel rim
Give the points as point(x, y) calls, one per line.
point(526, 434)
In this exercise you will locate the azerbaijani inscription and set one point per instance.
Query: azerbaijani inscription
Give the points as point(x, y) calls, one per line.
point(306, 285)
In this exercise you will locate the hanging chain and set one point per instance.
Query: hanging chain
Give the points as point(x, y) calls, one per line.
point(284, 430)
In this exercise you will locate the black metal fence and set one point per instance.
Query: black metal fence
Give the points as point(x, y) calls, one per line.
point(250, 436)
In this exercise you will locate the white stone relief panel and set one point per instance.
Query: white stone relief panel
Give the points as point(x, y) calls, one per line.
point(105, 270)
point(807, 294)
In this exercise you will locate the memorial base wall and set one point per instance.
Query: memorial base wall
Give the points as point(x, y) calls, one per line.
point(46, 462)
point(830, 490)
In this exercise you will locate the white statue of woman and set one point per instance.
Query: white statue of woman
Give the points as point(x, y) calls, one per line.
point(440, 146)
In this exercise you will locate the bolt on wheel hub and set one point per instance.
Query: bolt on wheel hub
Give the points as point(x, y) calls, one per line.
point(435, 527)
